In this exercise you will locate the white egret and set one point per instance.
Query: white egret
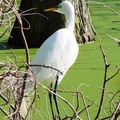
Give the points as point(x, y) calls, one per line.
point(59, 51)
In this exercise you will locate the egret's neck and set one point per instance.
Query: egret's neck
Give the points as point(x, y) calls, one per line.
point(70, 21)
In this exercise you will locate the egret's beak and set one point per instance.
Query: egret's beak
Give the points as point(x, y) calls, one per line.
point(50, 9)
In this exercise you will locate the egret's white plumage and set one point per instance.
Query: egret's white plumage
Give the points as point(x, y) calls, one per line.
point(59, 51)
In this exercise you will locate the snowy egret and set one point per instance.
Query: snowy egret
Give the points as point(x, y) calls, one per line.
point(59, 51)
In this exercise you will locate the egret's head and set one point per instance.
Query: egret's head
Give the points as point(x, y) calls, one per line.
point(64, 7)
point(67, 9)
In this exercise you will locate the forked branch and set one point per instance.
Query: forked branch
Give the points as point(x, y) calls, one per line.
point(104, 83)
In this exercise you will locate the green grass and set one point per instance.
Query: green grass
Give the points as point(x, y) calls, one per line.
point(87, 74)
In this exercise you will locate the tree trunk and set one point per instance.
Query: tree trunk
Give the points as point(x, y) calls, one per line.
point(41, 27)
point(84, 29)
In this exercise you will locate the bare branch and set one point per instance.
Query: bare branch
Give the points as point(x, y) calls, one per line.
point(116, 112)
point(47, 67)
point(104, 83)
point(115, 39)
point(113, 76)
point(106, 6)
point(4, 112)
point(5, 100)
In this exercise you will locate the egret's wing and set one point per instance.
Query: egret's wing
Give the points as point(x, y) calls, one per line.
point(49, 55)
point(56, 52)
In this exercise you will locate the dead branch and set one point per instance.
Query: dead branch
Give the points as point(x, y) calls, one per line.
point(115, 39)
point(116, 112)
point(20, 92)
point(113, 75)
point(104, 83)
point(86, 107)
point(5, 100)
point(45, 66)
point(106, 6)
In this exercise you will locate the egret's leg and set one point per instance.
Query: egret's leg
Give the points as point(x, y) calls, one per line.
point(50, 98)
point(55, 97)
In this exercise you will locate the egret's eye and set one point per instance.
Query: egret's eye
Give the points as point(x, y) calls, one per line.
point(59, 6)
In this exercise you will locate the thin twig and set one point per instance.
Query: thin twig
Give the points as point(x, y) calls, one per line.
point(5, 100)
point(72, 108)
point(115, 95)
point(106, 6)
point(4, 112)
point(115, 39)
point(4, 33)
point(113, 76)
point(77, 101)
point(116, 112)
point(35, 65)
point(86, 108)
point(104, 83)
